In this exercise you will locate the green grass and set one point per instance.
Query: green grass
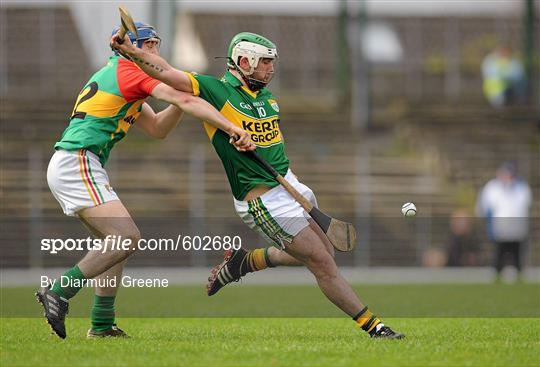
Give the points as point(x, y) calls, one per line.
point(186, 337)
point(275, 342)
point(237, 300)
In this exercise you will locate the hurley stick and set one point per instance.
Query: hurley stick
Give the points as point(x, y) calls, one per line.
point(341, 234)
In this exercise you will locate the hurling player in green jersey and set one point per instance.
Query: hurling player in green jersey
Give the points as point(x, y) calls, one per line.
point(241, 95)
point(108, 105)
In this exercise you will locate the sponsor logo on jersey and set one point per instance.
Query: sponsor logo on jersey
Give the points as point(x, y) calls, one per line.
point(245, 105)
point(263, 129)
point(263, 133)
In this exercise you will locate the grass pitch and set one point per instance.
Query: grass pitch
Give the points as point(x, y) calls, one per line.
point(275, 342)
point(321, 340)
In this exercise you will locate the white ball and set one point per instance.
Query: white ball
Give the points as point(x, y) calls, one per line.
point(408, 209)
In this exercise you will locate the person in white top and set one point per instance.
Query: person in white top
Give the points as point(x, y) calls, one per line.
point(506, 201)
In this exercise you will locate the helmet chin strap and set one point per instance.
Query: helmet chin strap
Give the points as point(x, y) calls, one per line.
point(253, 84)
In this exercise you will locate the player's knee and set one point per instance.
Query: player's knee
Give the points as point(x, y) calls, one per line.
point(134, 236)
point(131, 238)
point(322, 264)
point(324, 239)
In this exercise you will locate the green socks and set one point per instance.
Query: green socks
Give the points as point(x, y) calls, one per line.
point(102, 313)
point(69, 283)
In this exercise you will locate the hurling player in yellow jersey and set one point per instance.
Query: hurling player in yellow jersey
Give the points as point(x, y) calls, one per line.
point(241, 95)
point(108, 105)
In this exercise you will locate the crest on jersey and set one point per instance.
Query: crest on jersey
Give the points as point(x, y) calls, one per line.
point(274, 105)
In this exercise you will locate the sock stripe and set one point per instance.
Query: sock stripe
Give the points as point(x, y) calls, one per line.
point(355, 318)
point(367, 320)
point(267, 258)
point(258, 260)
point(370, 323)
point(375, 322)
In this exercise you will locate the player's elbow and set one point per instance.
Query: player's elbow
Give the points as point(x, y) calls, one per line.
point(185, 102)
point(155, 132)
point(158, 133)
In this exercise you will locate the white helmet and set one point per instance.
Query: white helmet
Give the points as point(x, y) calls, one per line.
point(252, 46)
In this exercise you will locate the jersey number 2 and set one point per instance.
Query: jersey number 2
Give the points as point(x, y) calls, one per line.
point(84, 97)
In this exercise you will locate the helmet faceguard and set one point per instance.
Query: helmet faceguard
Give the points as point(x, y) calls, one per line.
point(144, 31)
point(254, 47)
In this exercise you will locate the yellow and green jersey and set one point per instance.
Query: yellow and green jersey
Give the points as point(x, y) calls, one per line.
point(255, 112)
point(107, 106)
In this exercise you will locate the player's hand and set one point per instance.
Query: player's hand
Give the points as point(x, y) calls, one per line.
point(125, 47)
point(241, 140)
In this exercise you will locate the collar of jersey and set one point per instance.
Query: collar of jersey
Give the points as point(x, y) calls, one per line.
point(234, 82)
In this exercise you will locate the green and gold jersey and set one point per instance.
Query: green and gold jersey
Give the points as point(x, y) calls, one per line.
point(106, 107)
point(256, 113)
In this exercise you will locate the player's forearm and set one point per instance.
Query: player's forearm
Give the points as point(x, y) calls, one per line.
point(167, 120)
point(203, 110)
point(159, 69)
point(194, 106)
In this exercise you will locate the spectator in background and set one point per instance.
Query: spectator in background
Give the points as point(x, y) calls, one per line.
point(463, 245)
point(506, 201)
point(504, 78)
